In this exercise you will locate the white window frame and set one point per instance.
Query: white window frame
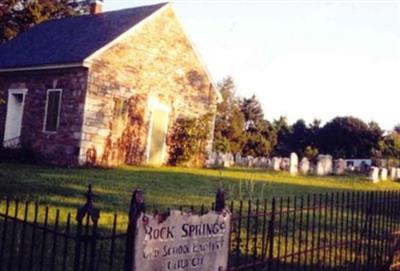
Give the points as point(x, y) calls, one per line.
point(58, 113)
point(11, 92)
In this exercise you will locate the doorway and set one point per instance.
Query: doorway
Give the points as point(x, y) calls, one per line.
point(156, 148)
point(15, 111)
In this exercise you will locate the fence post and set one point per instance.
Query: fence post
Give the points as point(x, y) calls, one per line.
point(135, 210)
point(220, 200)
point(94, 213)
point(271, 229)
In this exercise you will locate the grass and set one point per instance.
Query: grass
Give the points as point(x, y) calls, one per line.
point(163, 187)
point(63, 189)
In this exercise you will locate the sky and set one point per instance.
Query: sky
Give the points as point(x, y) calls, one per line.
point(302, 59)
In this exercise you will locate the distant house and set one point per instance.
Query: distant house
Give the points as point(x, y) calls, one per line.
point(103, 88)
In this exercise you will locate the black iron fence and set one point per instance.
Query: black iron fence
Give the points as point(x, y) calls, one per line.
point(337, 231)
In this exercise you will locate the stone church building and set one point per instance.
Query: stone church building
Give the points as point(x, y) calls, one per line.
point(103, 88)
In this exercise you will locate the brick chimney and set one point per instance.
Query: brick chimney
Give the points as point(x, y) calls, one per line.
point(96, 6)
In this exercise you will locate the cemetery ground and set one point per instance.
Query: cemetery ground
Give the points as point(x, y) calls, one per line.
point(170, 187)
point(166, 187)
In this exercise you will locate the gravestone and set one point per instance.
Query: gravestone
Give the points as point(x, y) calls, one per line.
point(219, 161)
point(304, 166)
point(398, 174)
point(294, 163)
point(263, 162)
point(383, 174)
point(392, 173)
point(256, 162)
point(250, 160)
point(245, 162)
point(285, 164)
point(339, 166)
point(228, 159)
point(319, 169)
point(238, 157)
point(183, 241)
point(276, 163)
point(374, 174)
point(211, 160)
point(324, 165)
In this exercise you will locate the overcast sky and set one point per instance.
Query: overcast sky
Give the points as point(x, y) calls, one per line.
point(303, 59)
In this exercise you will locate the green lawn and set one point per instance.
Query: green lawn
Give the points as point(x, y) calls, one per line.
point(163, 187)
point(63, 189)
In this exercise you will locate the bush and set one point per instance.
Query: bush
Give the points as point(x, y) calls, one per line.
point(188, 140)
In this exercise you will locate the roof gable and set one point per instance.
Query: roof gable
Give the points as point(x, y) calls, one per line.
point(70, 40)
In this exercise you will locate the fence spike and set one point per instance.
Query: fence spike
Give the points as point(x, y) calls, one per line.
point(220, 200)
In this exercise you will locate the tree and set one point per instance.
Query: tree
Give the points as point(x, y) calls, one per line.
point(188, 140)
point(310, 152)
point(252, 112)
point(17, 16)
point(283, 131)
point(397, 128)
point(260, 134)
point(389, 146)
point(349, 137)
point(229, 122)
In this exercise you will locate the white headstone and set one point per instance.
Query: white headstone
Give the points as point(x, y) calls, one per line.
point(276, 163)
point(263, 162)
point(374, 174)
point(211, 160)
point(392, 173)
point(294, 163)
point(339, 166)
point(319, 169)
point(324, 165)
point(304, 166)
point(238, 157)
point(250, 160)
point(398, 174)
point(383, 174)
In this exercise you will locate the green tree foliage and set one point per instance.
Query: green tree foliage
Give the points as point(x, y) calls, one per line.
point(349, 137)
point(389, 146)
point(252, 112)
point(260, 135)
point(229, 122)
point(299, 137)
point(240, 126)
point(188, 141)
point(283, 131)
point(310, 152)
point(17, 16)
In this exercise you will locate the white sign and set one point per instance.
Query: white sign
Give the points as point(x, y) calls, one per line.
point(183, 241)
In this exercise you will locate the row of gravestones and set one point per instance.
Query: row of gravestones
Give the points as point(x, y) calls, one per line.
point(377, 174)
point(324, 165)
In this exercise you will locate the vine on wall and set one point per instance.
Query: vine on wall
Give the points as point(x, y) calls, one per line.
point(129, 147)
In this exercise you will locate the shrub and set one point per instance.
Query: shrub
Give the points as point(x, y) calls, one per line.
point(188, 141)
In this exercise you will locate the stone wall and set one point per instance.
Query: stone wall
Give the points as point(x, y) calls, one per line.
point(156, 61)
point(61, 147)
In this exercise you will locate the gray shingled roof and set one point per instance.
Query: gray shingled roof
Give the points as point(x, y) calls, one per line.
point(69, 40)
